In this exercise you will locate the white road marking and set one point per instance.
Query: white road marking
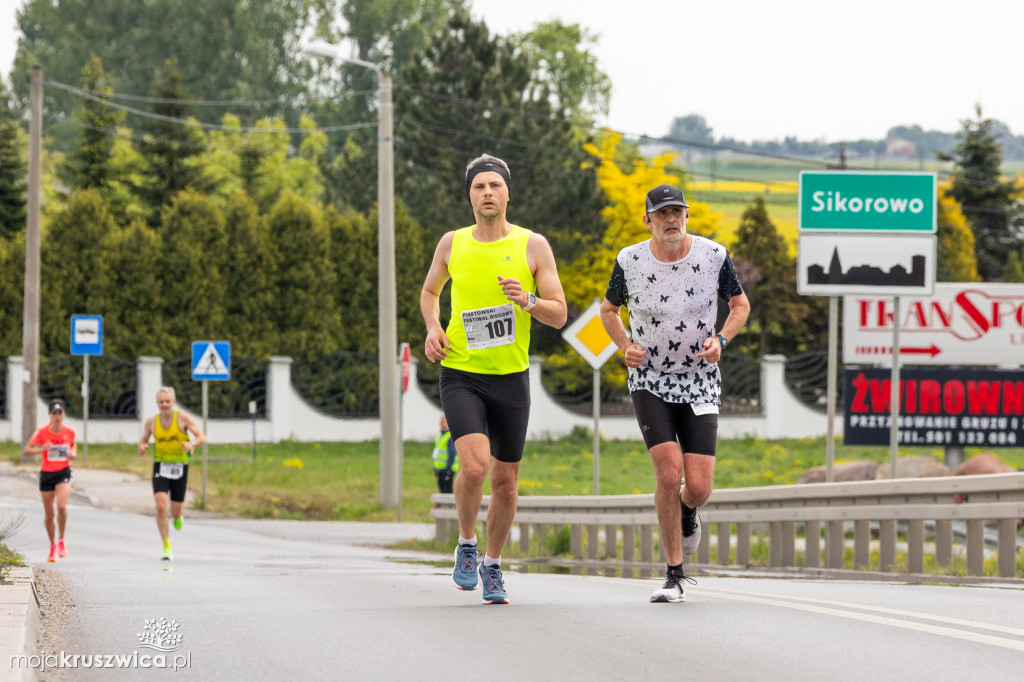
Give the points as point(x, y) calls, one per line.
point(778, 600)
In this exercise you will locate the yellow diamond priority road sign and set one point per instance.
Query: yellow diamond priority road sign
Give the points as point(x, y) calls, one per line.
point(588, 337)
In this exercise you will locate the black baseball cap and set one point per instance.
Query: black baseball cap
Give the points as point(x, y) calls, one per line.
point(665, 195)
point(57, 406)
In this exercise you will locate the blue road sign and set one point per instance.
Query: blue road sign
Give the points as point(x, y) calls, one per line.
point(211, 360)
point(86, 335)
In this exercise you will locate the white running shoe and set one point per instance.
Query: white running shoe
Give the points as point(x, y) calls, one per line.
point(672, 590)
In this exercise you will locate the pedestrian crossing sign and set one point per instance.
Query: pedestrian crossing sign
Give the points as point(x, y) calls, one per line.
point(211, 360)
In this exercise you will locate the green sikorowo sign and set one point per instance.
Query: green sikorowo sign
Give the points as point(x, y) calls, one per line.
point(879, 202)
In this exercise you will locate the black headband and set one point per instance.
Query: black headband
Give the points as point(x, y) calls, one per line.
point(485, 167)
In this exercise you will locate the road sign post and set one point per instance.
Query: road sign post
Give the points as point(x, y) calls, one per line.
point(252, 415)
point(86, 340)
point(405, 362)
point(588, 337)
point(866, 233)
point(211, 361)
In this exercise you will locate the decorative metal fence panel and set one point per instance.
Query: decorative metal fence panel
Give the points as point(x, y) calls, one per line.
point(571, 384)
point(741, 385)
point(227, 399)
point(570, 381)
point(427, 376)
point(346, 385)
point(807, 377)
point(112, 385)
point(340, 384)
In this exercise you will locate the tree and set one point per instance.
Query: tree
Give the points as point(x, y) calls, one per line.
point(13, 193)
point(1014, 270)
point(193, 254)
point(779, 317)
point(586, 278)
point(467, 93)
point(691, 128)
point(90, 161)
point(560, 59)
point(12, 293)
point(226, 49)
point(302, 278)
point(169, 145)
point(71, 262)
point(955, 259)
point(390, 32)
point(386, 33)
point(247, 275)
point(130, 286)
point(353, 248)
point(985, 198)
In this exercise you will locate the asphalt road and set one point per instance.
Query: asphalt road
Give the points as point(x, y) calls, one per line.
point(327, 601)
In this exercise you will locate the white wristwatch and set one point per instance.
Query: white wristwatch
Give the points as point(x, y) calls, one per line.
point(531, 301)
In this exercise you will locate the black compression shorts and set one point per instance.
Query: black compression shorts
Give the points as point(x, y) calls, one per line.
point(496, 405)
point(48, 480)
point(175, 486)
point(664, 422)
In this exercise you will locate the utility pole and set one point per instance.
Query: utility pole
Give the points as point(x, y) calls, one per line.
point(387, 298)
point(30, 330)
point(390, 438)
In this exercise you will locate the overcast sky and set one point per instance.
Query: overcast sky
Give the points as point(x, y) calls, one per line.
point(766, 70)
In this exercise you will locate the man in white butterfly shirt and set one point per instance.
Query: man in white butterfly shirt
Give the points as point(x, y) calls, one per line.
point(671, 284)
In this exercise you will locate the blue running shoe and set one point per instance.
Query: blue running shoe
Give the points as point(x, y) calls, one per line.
point(494, 586)
point(464, 575)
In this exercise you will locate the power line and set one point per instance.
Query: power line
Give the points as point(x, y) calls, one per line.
point(197, 124)
point(492, 138)
point(105, 99)
point(207, 102)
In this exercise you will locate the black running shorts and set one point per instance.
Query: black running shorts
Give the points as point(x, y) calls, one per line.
point(663, 422)
point(175, 486)
point(496, 405)
point(48, 480)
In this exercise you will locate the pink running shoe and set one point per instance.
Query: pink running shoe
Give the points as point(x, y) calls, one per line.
point(53, 555)
point(62, 549)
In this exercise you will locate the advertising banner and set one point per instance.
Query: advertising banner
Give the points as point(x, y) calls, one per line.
point(960, 408)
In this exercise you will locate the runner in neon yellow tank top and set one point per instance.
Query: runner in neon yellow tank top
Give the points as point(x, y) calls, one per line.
point(170, 430)
point(503, 277)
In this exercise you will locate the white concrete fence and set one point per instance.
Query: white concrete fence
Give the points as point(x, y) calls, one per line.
point(290, 417)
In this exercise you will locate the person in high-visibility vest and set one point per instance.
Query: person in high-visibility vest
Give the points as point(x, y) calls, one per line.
point(446, 461)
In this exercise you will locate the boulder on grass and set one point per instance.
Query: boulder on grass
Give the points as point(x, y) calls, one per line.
point(914, 467)
point(982, 463)
point(841, 472)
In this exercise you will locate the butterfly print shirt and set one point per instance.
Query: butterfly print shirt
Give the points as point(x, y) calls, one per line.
point(672, 310)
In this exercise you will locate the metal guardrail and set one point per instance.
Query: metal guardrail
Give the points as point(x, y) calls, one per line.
point(820, 509)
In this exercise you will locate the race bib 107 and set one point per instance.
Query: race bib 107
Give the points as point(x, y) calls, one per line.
point(490, 327)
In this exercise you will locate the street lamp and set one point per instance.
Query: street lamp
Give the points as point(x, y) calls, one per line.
point(390, 486)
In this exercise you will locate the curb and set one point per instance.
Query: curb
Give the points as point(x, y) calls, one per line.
point(19, 622)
